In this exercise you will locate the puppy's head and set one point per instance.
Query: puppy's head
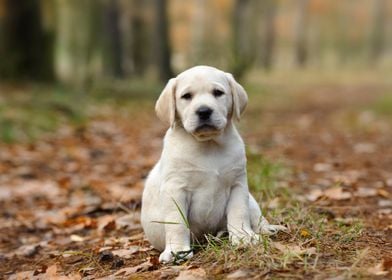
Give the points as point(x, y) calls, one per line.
point(203, 100)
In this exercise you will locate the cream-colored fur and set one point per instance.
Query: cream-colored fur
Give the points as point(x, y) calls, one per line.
point(202, 170)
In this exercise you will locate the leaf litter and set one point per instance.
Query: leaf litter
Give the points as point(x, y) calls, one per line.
point(70, 202)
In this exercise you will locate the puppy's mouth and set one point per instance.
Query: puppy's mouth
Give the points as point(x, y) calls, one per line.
point(205, 127)
point(206, 132)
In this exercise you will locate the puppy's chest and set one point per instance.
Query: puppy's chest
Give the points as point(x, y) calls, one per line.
point(207, 202)
point(210, 171)
point(211, 179)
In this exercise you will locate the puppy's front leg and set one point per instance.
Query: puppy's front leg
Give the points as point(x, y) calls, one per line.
point(177, 232)
point(238, 217)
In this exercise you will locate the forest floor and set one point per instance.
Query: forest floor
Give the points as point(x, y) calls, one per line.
point(319, 161)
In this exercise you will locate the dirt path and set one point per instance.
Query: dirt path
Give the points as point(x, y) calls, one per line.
point(70, 202)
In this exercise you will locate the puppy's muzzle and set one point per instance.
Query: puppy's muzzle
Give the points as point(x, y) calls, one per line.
point(204, 113)
point(205, 124)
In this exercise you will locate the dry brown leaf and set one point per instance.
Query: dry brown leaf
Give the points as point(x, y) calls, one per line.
point(22, 275)
point(53, 274)
point(322, 167)
point(139, 268)
point(337, 193)
point(128, 220)
point(383, 193)
point(382, 268)
point(28, 250)
point(364, 148)
point(126, 253)
point(169, 272)
point(305, 233)
point(136, 236)
point(106, 223)
point(314, 195)
point(106, 248)
point(294, 249)
point(51, 271)
point(238, 274)
point(192, 274)
point(77, 238)
point(366, 192)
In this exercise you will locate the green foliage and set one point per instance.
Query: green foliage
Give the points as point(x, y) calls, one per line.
point(263, 175)
point(26, 114)
point(383, 105)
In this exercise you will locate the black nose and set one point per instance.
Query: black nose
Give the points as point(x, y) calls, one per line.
point(204, 113)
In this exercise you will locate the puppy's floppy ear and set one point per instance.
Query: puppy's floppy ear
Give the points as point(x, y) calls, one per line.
point(240, 98)
point(165, 107)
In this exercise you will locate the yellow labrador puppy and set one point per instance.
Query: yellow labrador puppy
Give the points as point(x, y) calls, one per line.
point(199, 185)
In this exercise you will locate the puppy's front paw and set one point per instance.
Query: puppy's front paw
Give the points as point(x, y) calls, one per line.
point(168, 256)
point(268, 229)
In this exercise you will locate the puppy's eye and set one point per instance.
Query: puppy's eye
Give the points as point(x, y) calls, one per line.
point(187, 96)
point(217, 92)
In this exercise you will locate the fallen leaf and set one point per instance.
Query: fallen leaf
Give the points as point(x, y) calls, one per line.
point(126, 253)
point(136, 236)
point(389, 227)
point(382, 268)
point(322, 167)
point(314, 195)
point(383, 193)
point(337, 193)
point(364, 148)
point(22, 275)
point(106, 223)
point(192, 274)
point(77, 238)
point(305, 233)
point(51, 271)
point(28, 250)
point(385, 203)
point(240, 273)
point(366, 192)
point(169, 272)
point(104, 249)
point(294, 249)
point(139, 268)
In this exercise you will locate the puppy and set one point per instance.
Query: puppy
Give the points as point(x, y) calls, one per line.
point(199, 185)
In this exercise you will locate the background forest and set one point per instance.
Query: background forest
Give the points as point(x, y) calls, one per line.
point(83, 42)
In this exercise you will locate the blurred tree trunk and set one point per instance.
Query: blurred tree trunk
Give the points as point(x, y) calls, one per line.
point(242, 58)
point(136, 46)
point(377, 39)
point(112, 40)
point(268, 33)
point(26, 48)
point(300, 33)
point(78, 43)
point(162, 41)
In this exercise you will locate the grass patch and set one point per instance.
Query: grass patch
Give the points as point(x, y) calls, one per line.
point(264, 178)
point(315, 244)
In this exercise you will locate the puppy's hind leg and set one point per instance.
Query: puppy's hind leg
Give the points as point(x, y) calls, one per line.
point(260, 224)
